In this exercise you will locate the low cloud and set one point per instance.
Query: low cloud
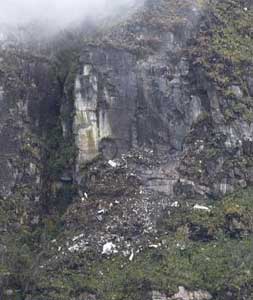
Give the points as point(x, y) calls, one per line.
point(61, 13)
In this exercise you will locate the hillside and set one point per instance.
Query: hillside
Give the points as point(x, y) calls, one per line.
point(126, 158)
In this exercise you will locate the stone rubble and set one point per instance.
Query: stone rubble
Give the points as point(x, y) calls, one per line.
point(183, 294)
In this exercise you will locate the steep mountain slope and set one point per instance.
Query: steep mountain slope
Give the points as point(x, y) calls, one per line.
point(118, 149)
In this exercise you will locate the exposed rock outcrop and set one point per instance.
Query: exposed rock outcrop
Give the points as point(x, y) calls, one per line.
point(116, 149)
point(183, 294)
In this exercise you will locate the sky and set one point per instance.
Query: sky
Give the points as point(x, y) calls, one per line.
point(60, 13)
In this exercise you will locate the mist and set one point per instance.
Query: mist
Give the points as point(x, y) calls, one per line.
point(59, 14)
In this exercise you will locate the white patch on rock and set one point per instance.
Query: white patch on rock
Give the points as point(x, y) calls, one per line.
point(87, 129)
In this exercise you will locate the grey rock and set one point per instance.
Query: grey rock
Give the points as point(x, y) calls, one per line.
point(236, 91)
point(158, 296)
point(183, 294)
point(250, 85)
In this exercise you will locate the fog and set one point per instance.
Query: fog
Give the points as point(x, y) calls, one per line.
point(62, 13)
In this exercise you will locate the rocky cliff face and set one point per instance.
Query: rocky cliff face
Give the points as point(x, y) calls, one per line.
point(117, 151)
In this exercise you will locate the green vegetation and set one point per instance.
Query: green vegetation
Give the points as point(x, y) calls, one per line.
point(61, 153)
point(224, 49)
point(210, 250)
point(217, 266)
point(225, 42)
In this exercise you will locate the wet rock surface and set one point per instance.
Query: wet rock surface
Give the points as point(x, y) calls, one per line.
point(115, 154)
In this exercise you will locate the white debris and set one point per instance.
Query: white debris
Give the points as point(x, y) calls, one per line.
point(125, 253)
point(201, 207)
point(80, 246)
point(78, 237)
point(175, 204)
point(181, 246)
point(35, 220)
point(132, 255)
point(153, 246)
point(101, 212)
point(109, 248)
point(74, 248)
point(85, 195)
point(112, 163)
point(245, 8)
point(99, 218)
